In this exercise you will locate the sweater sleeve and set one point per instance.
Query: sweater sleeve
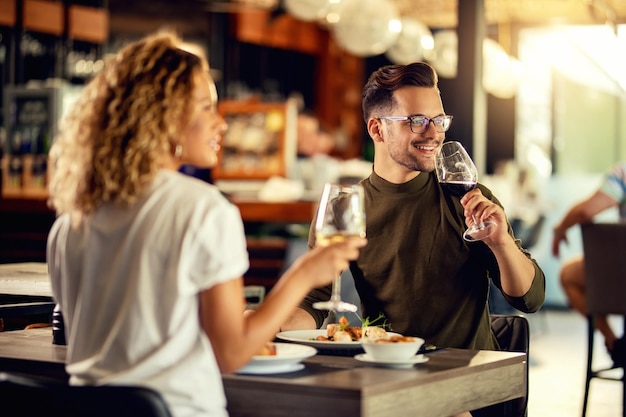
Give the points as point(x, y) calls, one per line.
point(535, 297)
point(532, 301)
point(318, 294)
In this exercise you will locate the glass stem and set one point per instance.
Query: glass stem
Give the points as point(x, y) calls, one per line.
point(336, 293)
point(475, 225)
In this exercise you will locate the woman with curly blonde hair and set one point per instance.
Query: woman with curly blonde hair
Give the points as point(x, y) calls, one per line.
point(147, 263)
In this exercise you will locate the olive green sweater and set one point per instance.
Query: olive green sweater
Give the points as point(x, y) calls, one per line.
point(419, 272)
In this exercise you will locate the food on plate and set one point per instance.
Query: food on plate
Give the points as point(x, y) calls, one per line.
point(343, 332)
point(268, 349)
point(395, 347)
point(395, 339)
point(374, 332)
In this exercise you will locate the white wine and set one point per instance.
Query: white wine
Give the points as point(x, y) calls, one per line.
point(340, 216)
point(335, 237)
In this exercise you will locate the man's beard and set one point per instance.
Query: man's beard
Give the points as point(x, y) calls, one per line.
point(414, 164)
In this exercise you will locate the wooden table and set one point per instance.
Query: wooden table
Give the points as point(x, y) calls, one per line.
point(452, 381)
point(25, 279)
point(25, 290)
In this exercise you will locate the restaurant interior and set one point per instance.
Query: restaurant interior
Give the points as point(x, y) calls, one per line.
point(537, 89)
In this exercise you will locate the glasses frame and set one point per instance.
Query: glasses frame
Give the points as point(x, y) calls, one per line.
point(438, 122)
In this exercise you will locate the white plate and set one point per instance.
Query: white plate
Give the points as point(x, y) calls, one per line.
point(266, 370)
point(287, 359)
point(307, 337)
point(408, 363)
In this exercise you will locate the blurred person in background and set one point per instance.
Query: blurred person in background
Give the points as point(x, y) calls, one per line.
point(610, 194)
point(312, 138)
point(146, 263)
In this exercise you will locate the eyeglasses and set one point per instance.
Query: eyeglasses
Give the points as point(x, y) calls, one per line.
point(419, 124)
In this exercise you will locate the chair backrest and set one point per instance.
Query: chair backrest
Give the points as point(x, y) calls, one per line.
point(28, 396)
point(513, 335)
point(604, 247)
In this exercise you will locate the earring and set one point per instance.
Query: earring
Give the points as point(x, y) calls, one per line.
point(178, 151)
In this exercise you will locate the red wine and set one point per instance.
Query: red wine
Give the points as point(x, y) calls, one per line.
point(458, 188)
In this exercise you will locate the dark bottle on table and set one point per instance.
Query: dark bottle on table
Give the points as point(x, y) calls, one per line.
point(58, 327)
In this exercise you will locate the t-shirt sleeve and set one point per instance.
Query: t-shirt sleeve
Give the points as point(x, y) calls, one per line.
point(614, 183)
point(318, 294)
point(220, 246)
point(54, 253)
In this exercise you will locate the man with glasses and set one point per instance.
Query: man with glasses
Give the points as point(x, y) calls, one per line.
point(416, 268)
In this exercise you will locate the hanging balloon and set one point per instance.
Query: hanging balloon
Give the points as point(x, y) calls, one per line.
point(445, 56)
point(412, 41)
point(500, 71)
point(367, 27)
point(307, 10)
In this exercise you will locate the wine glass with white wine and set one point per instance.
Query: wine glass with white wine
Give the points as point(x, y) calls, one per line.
point(340, 216)
point(457, 174)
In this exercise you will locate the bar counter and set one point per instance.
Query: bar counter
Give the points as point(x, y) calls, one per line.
point(252, 210)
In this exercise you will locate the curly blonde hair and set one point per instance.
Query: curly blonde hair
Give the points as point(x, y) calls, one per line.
point(128, 117)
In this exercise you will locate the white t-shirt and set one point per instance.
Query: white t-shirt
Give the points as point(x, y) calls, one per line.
point(128, 281)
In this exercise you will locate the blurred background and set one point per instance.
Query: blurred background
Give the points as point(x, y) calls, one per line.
point(537, 89)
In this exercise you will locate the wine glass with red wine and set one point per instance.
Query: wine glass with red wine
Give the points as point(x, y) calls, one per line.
point(457, 174)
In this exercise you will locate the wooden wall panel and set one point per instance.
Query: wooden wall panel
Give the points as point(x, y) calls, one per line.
point(7, 13)
point(283, 32)
point(44, 16)
point(88, 24)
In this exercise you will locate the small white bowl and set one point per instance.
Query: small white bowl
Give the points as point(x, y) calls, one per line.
point(385, 349)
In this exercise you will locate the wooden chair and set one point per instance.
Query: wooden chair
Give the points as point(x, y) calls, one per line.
point(604, 248)
point(27, 396)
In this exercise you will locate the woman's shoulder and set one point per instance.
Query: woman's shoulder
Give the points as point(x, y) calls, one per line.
point(183, 183)
point(187, 191)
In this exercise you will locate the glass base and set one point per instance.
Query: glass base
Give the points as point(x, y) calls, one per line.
point(479, 231)
point(336, 305)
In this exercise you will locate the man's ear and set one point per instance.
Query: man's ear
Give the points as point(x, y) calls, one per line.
point(374, 128)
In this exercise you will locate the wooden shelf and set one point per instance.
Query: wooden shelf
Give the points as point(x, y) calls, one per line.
point(24, 201)
point(36, 201)
point(288, 212)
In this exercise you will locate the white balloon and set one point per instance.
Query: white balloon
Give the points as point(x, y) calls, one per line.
point(414, 39)
point(367, 27)
point(307, 10)
point(500, 71)
point(445, 55)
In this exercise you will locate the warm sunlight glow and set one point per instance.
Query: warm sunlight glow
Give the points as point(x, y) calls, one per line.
point(590, 55)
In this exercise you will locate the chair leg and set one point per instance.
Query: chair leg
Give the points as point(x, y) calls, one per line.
point(590, 336)
point(624, 376)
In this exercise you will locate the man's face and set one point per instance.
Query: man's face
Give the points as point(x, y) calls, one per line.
point(413, 151)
